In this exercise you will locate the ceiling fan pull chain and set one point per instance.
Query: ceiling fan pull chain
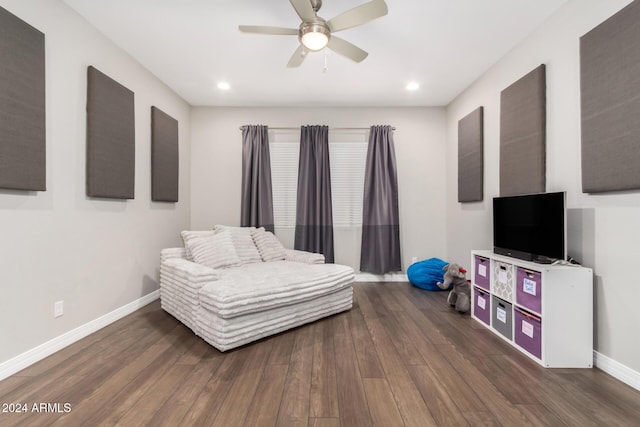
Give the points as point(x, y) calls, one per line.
point(326, 67)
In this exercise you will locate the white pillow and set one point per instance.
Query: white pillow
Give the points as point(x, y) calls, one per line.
point(215, 251)
point(268, 245)
point(187, 236)
point(243, 242)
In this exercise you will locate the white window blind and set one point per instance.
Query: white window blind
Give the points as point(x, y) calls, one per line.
point(347, 161)
point(284, 180)
point(347, 182)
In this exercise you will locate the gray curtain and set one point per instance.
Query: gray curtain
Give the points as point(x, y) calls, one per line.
point(314, 217)
point(380, 251)
point(257, 197)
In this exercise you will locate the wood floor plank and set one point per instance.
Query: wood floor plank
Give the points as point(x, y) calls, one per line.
point(382, 405)
point(379, 295)
point(465, 338)
point(354, 410)
point(539, 415)
point(179, 404)
point(547, 384)
point(154, 398)
point(236, 405)
point(121, 391)
point(412, 309)
point(442, 406)
point(324, 422)
point(197, 352)
point(32, 416)
point(608, 392)
point(10, 384)
point(541, 383)
point(495, 401)
point(282, 349)
point(592, 403)
point(77, 362)
point(365, 351)
point(208, 403)
point(403, 344)
point(263, 411)
point(89, 375)
point(294, 408)
point(323, 398)
point(481, 418)
point(412, 407)
point(502, 377)
point(445, 373)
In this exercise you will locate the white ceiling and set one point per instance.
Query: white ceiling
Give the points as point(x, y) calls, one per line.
point(191, 45)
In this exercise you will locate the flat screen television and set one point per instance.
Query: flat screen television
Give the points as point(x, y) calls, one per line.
point(530, 227)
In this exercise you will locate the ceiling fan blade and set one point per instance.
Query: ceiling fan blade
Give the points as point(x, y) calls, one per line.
point(304, 9)
point(298, 57)
point(358, 15)
point(347, 49)
point(275, 31)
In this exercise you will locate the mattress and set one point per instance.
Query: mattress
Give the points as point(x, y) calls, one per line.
point(232, 307)
point(263, 286)
point(225, 334)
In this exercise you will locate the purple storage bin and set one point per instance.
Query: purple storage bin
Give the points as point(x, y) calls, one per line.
point(528, 332)
point(482, 305)
point(528, 289)
point(482, 272)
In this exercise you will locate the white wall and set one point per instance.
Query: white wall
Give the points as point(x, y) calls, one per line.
point(603, 230)
point(420, 150)
point(96, 255)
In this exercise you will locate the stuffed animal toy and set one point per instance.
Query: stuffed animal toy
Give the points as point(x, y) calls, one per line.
point(460, 295)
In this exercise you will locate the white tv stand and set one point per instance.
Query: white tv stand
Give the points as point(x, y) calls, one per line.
point(544, 310)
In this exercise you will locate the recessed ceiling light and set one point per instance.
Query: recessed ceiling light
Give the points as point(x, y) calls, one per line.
point(224, 86)
point(413, 86)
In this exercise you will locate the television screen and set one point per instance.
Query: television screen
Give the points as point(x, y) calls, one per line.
point(530, 227)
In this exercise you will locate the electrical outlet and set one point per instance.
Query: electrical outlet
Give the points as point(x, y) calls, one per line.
point(414, 259)
point(58, 309)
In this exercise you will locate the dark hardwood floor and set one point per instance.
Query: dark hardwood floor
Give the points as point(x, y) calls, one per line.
point(399, 357)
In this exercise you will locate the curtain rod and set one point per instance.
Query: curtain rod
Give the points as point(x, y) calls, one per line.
point(297, 128)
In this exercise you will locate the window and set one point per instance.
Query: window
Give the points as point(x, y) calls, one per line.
point(284, 180)
point(347, 161)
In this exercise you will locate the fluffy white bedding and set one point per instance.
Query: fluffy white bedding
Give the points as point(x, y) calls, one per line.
point(266, 285)
point(211, 322)
point(225, 334)
point(234, 306)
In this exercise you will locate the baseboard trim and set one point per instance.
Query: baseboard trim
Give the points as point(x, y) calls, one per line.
point(617, 370)
point(389, 277)
point(38, 353)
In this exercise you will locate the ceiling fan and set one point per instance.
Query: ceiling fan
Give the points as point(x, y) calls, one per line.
point(315, 33)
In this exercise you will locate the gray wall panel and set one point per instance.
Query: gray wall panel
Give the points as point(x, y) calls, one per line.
point(470, 156)
point(110, 138)
point(523, 135)
point(164, 157)
point(610, 101)
point(22, 105)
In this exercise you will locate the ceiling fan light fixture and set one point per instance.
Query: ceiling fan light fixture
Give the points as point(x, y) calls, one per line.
point(314, 36)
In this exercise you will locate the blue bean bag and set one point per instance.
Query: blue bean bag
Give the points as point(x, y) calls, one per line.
point(425, 274)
